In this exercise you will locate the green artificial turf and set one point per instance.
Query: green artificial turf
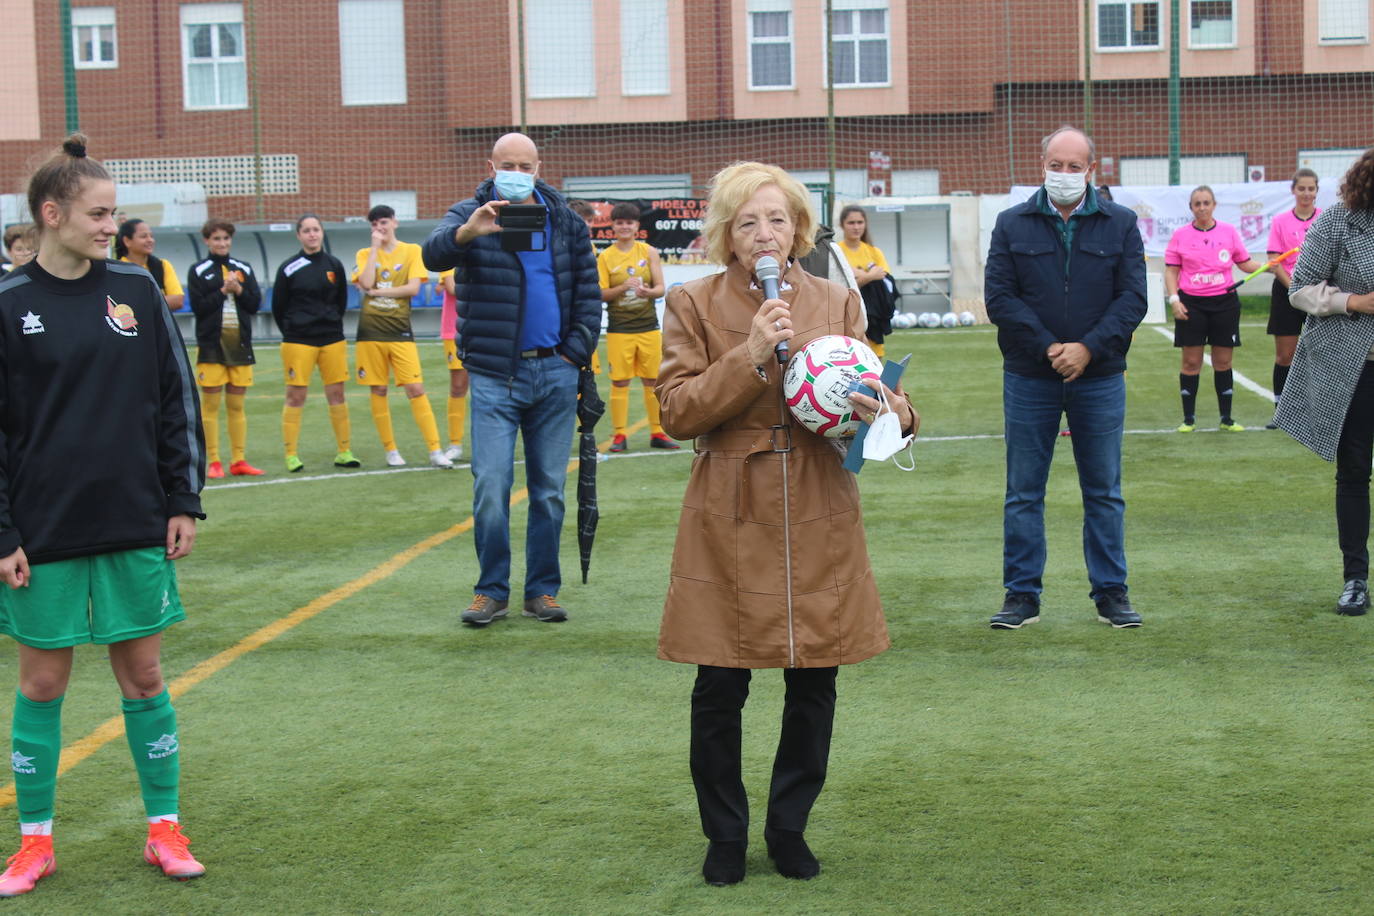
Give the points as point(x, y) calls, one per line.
point(381, 758)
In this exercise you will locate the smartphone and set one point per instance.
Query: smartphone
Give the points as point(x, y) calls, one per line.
point(523, 227)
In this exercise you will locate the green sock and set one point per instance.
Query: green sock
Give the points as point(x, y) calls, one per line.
point(151, 727)
point(36, 740)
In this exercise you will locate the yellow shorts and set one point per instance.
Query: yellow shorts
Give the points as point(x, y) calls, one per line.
point(375, 358)
point(634, 355)
point(215, 375)
point(596, 363)
point(451, 355)
point(299, 362)
point(877, 348)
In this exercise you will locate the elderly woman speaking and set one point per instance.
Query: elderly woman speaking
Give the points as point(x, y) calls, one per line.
point(770, 569)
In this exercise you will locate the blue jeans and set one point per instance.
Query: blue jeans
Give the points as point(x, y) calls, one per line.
point(1096, 408)
point(540, 403)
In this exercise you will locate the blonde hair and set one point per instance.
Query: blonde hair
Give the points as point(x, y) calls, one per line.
point(731, 189)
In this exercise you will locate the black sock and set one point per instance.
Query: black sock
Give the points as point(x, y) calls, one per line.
point(1280, 378)
point(1187, 385)
point(1224, 384)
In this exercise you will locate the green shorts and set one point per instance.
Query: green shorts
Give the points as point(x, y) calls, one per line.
point(105, 598)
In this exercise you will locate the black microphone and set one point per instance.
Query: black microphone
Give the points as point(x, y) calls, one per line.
point(766, 269)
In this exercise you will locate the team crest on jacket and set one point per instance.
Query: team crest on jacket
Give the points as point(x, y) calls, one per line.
point(120, 318)
point(329, 275)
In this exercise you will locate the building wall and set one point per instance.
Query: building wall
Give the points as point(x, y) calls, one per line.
point(954, 108)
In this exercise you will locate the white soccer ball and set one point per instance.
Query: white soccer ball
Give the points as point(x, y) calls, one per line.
point(930, 320)
point(967, 319)
point(913, 318)
point(949, 320)
point(899, 321)
point(819, 378)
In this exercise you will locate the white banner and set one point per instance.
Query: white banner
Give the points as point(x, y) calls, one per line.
point(1160, 209)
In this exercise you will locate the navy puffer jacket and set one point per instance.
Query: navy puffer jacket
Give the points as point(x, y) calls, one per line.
point(490, 285)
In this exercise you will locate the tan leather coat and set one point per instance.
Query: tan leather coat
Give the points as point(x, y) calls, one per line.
point(770, 569)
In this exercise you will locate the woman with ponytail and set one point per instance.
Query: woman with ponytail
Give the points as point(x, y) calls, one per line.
point(94, 364)
point(134, 243)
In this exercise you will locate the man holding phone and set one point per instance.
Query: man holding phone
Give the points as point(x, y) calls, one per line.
point(529, 305)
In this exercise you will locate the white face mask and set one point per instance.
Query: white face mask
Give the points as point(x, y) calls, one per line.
point(884, 439)
point(1065, 188)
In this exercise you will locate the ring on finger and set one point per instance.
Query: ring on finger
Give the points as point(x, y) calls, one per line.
point(777, 325)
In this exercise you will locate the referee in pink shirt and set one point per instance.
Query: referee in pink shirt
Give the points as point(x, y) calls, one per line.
point(1197, 280)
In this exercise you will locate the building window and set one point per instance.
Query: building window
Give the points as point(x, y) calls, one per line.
point(213, 59)
point(644, 52)
point(93, 37)
point(372, 52)
point(1212, 24)
point(770, 44)
point(1193, 170)
point(403, 202)
point(858, 39)
point(1343, 22)
point(1127, 25)
point(560, 49)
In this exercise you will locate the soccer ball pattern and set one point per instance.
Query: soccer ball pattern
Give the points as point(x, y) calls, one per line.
point(818, 381)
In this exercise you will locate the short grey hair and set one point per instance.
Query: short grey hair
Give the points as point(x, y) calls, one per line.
point(1064, 129)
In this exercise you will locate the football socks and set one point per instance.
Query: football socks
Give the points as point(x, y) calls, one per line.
point(381, 418)
point(209, 416)
point(238, 425)
point(1280, 377)
point(620, 408)
point(151, 726)
point(36, 743)
point(1225, 382)
point(343, 431)
point(457, 419)
point(424, 418)
point(1187, 385)
point(651, 410)
point(290, 428)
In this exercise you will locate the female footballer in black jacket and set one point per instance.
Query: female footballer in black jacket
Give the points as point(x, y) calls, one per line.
point(309, 298)
point(91, 362)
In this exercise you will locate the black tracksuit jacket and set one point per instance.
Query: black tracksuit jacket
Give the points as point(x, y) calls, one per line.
point(307, 304)
point(204, 287)
point(100, 434)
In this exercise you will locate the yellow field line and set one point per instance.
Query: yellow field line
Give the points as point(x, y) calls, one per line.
point(112, 729)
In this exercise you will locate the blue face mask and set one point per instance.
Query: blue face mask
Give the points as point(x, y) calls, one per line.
point(514, 185)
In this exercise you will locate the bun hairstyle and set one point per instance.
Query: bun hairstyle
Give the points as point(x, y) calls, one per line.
point(60, 178)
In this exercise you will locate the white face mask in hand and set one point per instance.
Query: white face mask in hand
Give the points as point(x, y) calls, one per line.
point(885, 439)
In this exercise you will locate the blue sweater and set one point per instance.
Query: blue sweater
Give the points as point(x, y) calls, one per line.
point(490, 286)
point(1039, 293)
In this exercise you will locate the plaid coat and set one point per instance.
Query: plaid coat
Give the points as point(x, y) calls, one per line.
point(1337, 258)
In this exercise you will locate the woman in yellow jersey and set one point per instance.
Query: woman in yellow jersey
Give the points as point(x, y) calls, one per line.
point(866, 259)
point(135, 244)
point(631, 275)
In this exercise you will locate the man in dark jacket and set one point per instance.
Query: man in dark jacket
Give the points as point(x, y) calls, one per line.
point(1065, 285)
point(529, 320)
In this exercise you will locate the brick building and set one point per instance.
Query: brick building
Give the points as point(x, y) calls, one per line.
point(347, 102)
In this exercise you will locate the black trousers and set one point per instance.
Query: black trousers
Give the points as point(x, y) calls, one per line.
point(1353, 459)
point(808, 717)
